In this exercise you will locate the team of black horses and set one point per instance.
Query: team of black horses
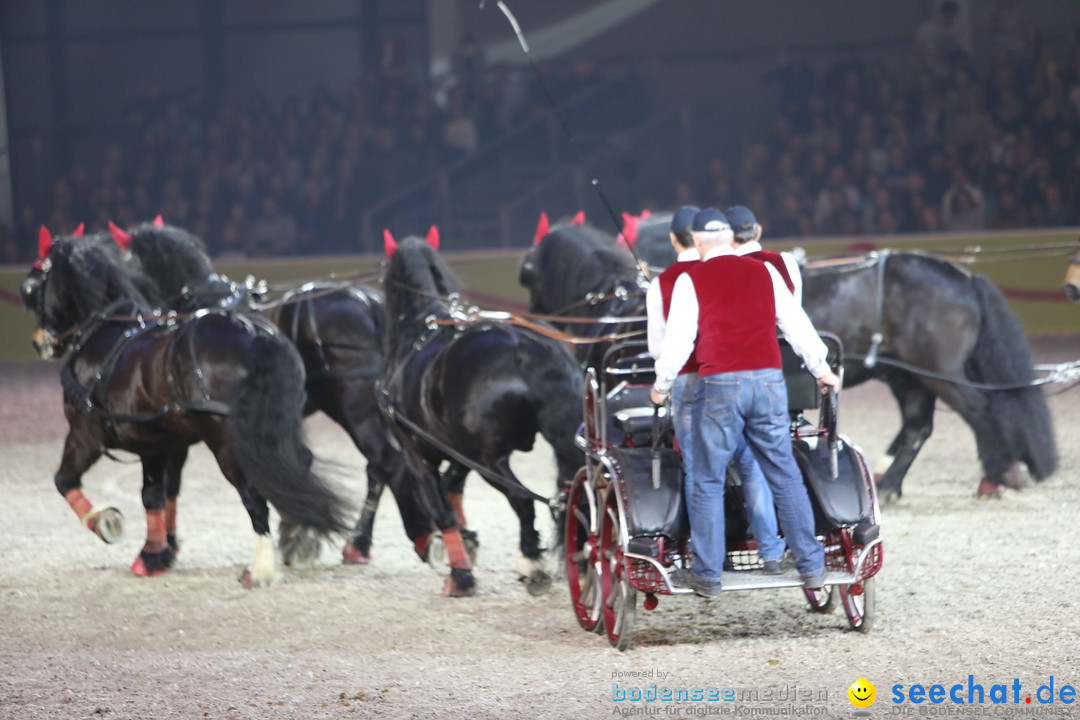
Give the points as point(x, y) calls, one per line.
point(160, 352)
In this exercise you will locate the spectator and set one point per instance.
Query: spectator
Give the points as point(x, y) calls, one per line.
point(963, 207)
point(940, 45)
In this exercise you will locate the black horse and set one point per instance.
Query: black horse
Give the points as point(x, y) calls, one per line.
point(942, 332)
point(154, 385)
point(337, 327)
point(472, 393)
point(582, 275)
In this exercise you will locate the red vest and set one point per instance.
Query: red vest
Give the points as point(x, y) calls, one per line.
point(777, 261)
point(667, 285)
point(736, 316)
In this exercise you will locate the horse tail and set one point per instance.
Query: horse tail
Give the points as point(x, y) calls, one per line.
point(1002, 356)
point(266, 440)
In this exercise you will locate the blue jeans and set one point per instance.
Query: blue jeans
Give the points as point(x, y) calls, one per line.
point(728, 406)
point(759, 500)
point(683, 393)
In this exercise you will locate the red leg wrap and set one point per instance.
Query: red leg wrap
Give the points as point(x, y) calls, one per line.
point(457, 500)
point(455, 549)
point(79, 504)
point(170, 516)
point(421, 544)
point(155, 527)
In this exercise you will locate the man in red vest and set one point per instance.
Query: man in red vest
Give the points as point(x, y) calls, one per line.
point(759, 501)
point(726, 310)
point(748, 243)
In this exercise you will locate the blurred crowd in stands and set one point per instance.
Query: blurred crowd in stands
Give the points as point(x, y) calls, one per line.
point(858, 149)
point(855, 148)
point(255, 180)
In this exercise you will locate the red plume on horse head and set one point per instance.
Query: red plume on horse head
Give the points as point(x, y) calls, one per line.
point(159, 221)
point(432, 238)
point(122, 237)
point(630, 228)
point(578, 219)
point(389, 243)
point(44, 245)
point(542, 228)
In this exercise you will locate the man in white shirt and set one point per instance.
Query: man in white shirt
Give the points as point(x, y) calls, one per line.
point(759, 502)
point(727, 309)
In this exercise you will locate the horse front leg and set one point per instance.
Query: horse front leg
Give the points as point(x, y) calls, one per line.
point(81, 450)
point(174, 466)
point(428, 492)
point(916, 424)
point(454, 483)
point(156, 555)
point(529, 564)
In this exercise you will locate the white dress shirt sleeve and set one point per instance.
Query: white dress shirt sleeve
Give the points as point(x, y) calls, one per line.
point(681, 333)
point(795, 274)
point(654, 311)
point(797, 328)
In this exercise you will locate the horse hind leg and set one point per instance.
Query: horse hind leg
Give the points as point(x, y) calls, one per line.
point(917, 423)
point(529, 565)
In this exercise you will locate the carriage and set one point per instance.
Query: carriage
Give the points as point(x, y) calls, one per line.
point(626, 526)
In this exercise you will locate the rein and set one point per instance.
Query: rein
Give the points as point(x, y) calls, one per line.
point(394, 414)
point(525, 320)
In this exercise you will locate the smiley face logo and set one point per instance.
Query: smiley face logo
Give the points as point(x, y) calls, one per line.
point(862, 693)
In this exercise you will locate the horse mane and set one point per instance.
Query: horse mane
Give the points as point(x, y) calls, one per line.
point(575, 260)
point(170, 256)
point(86, 275)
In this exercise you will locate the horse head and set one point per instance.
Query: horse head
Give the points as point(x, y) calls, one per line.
point(177, 264)
point(78, 278)
point(415, 277)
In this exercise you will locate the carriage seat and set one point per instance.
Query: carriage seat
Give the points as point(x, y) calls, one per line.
point(651, 512)
point(634, 426)
point(838, 502)
point(802, 387)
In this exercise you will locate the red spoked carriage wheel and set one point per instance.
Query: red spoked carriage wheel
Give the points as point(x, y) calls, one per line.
point(583, 556)
point(859, 602)
point(821, 600)
point(619, 595)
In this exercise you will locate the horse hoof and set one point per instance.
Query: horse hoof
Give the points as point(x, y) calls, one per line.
point(538, 583)
point(174, 544)
point(351, 555)
point(139, 568)
point(107, 524)
point(299, 550)
point(452, 589)
point(988, 489)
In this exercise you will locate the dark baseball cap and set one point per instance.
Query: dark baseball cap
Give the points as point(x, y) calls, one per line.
point(710, 220)
point(742, 221)
point(683, 218)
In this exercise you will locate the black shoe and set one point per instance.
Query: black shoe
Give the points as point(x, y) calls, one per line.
point(772, 567)
point(778, 567)
point(705, 588)
point(814, 582)
point(680, 577)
